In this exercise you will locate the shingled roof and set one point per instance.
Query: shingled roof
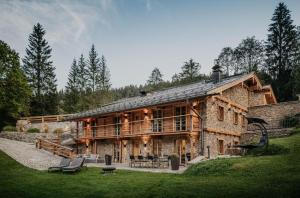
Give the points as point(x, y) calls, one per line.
point(174, 94)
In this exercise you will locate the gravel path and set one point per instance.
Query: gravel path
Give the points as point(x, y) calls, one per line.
point(28, 155)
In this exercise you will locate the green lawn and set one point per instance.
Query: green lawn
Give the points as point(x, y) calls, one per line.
point(264, 176)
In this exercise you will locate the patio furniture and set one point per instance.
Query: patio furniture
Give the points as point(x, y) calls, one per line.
point(108, 159)
point(74, 166)
point(163, 162)
point(92, 158)
point(132, 160)
point(108, 170)
point(150, 160)
point(140, 160)
point(63, 163)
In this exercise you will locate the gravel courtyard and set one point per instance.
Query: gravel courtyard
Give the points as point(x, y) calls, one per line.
point(28, 155)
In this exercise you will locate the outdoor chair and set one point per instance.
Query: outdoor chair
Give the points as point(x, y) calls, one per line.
point(132, 160)
point(92, 158)
point(74, 166)
point(140, 160)
point(63, 163)
point(150, 160)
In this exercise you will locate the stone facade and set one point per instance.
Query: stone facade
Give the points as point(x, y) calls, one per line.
point(213, 140)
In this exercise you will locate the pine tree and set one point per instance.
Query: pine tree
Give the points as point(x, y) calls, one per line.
point(82, 75)
point(155, 77)
point(104, 75)
point(282, 52)
point(93, 69)
point(39, 70)
point(72, 96)
point(82, 83)
point(190, 70)
point(14, 89)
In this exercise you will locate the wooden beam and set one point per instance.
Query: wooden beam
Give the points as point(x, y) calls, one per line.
point(223, 132)
point(231, 103)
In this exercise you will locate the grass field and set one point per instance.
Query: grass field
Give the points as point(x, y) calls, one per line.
point(249, 176)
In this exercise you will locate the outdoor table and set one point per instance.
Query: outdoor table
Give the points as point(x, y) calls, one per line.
point(108, 169)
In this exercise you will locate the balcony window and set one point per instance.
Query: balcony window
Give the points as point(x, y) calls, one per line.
point(157, 122)
point(180, 118)
point(117, 124)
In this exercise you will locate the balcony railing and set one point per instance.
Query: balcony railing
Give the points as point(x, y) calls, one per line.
point(164, 125)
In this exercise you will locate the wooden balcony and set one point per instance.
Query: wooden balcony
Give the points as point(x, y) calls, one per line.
point(159, 126)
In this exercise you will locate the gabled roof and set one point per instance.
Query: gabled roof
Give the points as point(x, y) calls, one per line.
point(174, 94)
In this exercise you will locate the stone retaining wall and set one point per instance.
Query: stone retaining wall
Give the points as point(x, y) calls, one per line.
point(254, 136)
point(26, 137)
point(274, 113)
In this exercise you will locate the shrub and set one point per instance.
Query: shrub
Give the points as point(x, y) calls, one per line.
point(272, 149)
point(33, 130)
point(211, 167)
point(9, 128)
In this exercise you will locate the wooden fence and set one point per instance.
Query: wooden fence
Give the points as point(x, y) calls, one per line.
point(55, 148)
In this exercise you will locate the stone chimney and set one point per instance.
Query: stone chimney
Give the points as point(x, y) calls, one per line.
point(216, 73)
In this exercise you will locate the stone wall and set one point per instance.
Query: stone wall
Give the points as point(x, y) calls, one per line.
point(254, 136)
point(274, 113)
point(26, 137)
point(237, 94)
point(211, 140)
point(257, 98)
point(226, 125)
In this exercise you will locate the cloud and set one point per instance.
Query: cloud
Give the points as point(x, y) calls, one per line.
point(65, 21)
point(148, 5)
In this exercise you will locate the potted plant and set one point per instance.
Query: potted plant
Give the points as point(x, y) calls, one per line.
point(174, 161)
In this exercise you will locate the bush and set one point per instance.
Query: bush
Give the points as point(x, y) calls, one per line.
point(33, 130)
point(9, 128)
point(272, 149)
point(211, 167)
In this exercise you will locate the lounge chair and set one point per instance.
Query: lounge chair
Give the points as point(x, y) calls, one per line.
point(63, 163)
point(74, 166)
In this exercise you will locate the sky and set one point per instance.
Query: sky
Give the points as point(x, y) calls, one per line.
point(137, 35)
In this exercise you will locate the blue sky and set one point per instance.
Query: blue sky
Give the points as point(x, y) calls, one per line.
point(137, 35)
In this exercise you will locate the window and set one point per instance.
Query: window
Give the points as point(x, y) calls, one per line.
point(117, 122)
point(94, 128)
point(221, 147)
point(157, 122)
point(180, 119)
point(235, 118)
point(220, 113)
point(243, 121)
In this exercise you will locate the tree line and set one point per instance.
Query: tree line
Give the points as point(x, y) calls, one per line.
point(276, 60)
point(31, 88)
